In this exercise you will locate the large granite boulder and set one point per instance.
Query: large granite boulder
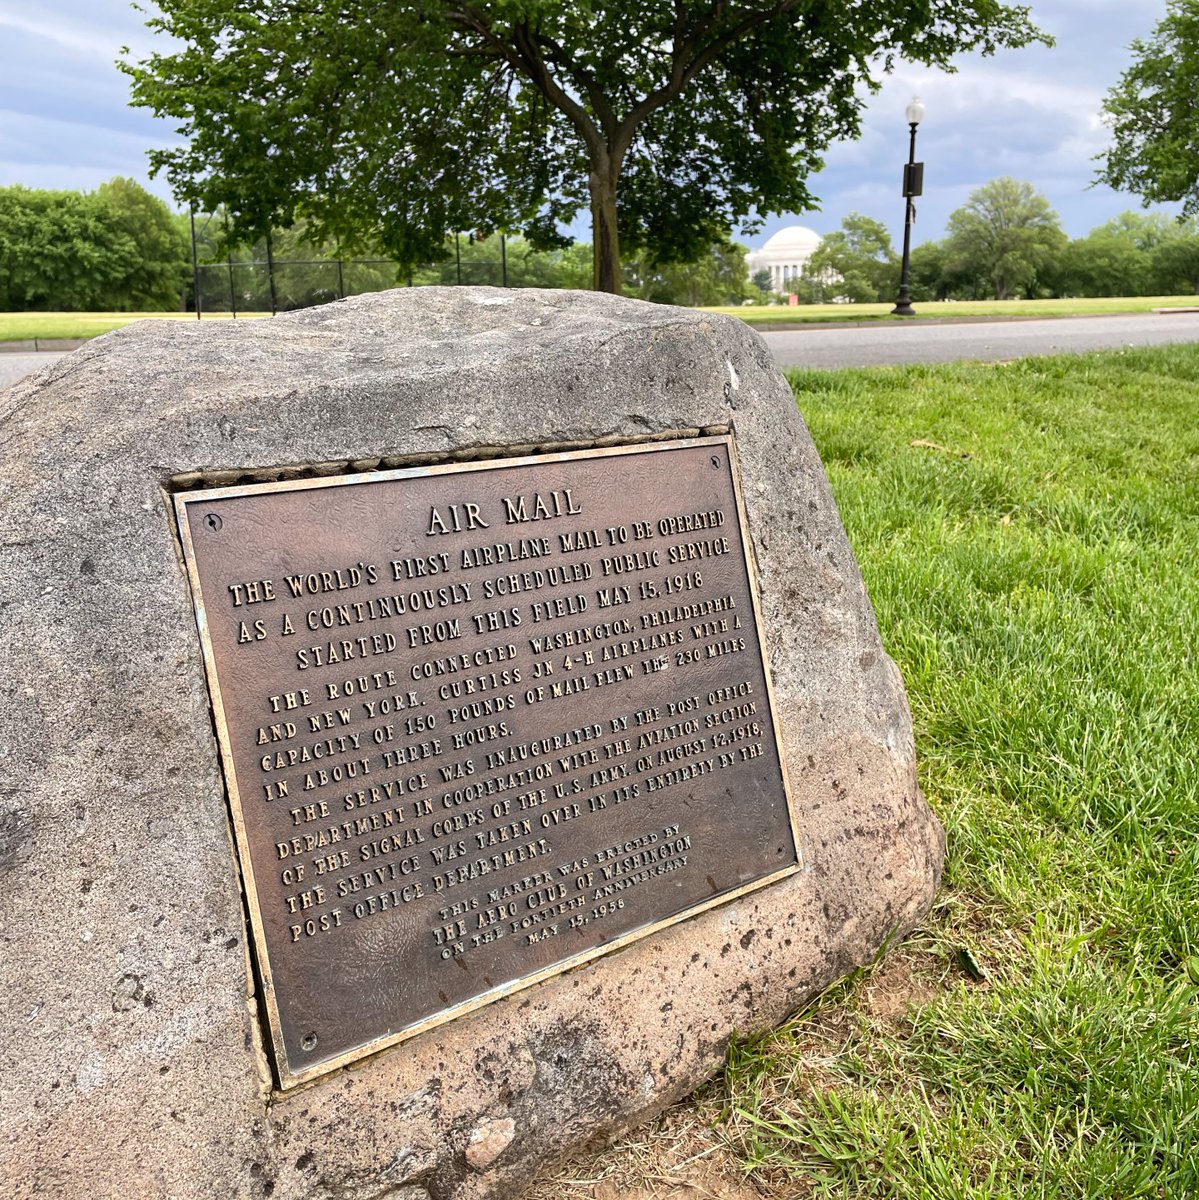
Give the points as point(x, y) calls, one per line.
point(133, 1054)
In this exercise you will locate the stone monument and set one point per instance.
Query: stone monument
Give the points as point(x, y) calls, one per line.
point(435, 723)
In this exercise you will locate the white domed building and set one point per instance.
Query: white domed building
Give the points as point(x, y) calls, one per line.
point(784, 255)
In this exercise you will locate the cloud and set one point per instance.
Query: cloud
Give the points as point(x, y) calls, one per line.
point(65, 119)
point(66, 27)
point(52, 153)
point(1031, 113)
point(1034, 114)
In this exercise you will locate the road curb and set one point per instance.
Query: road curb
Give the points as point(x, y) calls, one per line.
point(38, 345)
point(922, 322)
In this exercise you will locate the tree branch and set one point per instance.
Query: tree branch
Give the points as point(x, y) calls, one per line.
point(538, 72)
point(685, 69)
point(585, 81)
point(524, 56)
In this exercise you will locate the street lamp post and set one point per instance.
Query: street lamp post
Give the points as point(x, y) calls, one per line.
point(913, 186)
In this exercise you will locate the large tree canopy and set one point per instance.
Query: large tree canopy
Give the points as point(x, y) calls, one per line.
point(1154, 117)
point(856, 261)
point(117, 248)
point(1006, 233)
point(393, 123)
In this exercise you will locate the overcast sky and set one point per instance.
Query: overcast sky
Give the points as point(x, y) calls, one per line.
point(1032, 114)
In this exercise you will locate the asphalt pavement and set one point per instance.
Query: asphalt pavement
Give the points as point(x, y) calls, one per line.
point(893, 343)
point(17, 366)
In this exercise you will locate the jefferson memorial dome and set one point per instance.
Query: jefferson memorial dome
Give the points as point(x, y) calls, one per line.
point(784, 255)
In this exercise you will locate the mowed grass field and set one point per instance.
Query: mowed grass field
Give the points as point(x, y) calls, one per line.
point(1030, 537)
point(1029, 534)
point(23, 327)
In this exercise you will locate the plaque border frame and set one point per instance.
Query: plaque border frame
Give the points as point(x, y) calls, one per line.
point(287, 1079)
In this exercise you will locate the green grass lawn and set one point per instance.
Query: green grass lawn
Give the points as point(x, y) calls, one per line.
point(804, 313)
point(21, 327)
point(1030, 537)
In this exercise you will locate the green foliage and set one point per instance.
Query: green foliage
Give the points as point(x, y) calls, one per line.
point(718, 277)
point(857, 261)
point(1005, 233)
point(1175, 259)
point(306, 270)
point(1134, 254)
point(1153, 116)
point(930, 272)
point(762, 280)
point(1146, 231)
point(155, 273)
point(671, 120)
point(1103, 264)
point(117, 249)
point(1115, 259)
point(484, 260)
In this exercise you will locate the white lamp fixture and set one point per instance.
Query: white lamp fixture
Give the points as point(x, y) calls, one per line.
point(915, 111)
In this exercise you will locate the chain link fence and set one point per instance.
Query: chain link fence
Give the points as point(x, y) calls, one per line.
point(256, 279)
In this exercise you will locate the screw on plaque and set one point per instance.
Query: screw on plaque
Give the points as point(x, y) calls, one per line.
point(715, 461)
point(308, 1042)
point(213, 522)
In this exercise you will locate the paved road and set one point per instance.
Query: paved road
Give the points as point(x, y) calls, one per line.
point(17, 366)
point(874, 345)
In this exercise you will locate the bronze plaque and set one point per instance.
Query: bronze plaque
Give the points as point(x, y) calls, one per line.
point(481, 723)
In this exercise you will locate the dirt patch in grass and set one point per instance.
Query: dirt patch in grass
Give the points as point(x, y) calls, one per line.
point(909, 979)
point(678, 1156)
point(689, 1153)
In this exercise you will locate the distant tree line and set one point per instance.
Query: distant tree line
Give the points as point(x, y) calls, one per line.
point(120, 248)
point(1007, 241)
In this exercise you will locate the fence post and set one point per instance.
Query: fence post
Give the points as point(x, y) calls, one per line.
point(458, 257)
point(504, 259)
point(341, 282)
point(229, 263)
point(270, 274)
point(191, 208)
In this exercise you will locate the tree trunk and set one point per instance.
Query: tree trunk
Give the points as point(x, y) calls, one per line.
point(605, 240)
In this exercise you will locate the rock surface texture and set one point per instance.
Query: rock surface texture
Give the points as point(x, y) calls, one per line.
point(130, 1045)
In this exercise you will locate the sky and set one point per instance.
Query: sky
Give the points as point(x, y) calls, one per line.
point(1033, 114)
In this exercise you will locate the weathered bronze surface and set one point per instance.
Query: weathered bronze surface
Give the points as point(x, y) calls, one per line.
point(479, 723)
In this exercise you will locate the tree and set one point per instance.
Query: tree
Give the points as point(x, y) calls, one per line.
point(1153, 115)
point(395, 124)
point(117, 248)
point(856, 261)
point(931, 278)
point(1005, 232)
point(155, 274)
point(59, 251)
point(1101, 264)
point(1176, 260)
point(1118, 258)
point(306, 271)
